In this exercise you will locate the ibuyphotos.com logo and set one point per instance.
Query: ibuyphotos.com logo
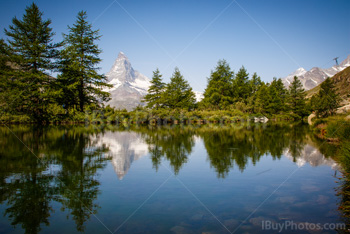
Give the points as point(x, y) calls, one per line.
point(293, 226)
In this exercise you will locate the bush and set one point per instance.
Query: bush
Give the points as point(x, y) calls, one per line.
point(338, 129)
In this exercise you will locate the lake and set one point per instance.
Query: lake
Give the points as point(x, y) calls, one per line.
point(238, 178)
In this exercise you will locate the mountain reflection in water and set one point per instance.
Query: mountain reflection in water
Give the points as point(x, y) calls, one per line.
point(67, 169)
point(225, 146)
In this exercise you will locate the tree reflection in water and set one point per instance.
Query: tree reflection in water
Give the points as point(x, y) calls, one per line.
point(63, 168)
point(69, 160)
point(226, 145)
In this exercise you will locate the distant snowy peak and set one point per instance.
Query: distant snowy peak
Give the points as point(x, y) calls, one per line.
point(346, 62)
point(121, 69)
point(129, 85)
point(123, 73)
point(316, 75)
point(299, 72)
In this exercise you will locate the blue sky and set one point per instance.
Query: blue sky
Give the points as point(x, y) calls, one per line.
point(270, 37)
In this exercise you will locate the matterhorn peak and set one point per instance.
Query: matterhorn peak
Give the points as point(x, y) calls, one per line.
point(121, 55)
point(129, 86)
point(121, 68)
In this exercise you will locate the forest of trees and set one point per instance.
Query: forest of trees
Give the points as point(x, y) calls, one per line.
point(30, 93)
point(28, 58)
point(229, 91)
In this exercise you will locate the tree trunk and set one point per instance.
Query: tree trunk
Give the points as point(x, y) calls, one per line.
point(81, 95)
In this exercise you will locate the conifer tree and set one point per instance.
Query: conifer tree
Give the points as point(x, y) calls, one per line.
point(178, 93)
point(262, 99)
point(327, 99)
point(219, 91)
point(241, 83)
point(255, 83)
point(153, 97)
point(34, 54)
point(80, 58)
point(8, 91)
point(278, 96)
point(296, 100)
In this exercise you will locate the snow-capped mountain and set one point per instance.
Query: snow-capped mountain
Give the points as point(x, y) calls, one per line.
point(316, 75)
point(129, 85)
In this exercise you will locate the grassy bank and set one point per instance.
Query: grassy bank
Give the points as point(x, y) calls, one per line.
point(336, 130)
point(140, 115)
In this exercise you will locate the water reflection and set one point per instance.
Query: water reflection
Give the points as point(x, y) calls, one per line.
point(69, 160)
point(124, 148)
point(63, 168)
point(312, 156)
point(175, 145)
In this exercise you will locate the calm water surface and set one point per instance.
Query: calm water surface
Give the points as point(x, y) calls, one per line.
point(173, 179)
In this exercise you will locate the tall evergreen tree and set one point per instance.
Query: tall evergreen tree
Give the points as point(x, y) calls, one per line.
point(327, 99)
point(296, 100)
point(153, 97)
point(218, 93)
point(80, 57)
point(8, 91)
point(262, 99)
point(255, 83)
point(278, 96)
point(241, 83)
point(178, 93)
point(33, 54)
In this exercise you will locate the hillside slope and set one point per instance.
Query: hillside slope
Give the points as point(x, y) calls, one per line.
point(342, 83)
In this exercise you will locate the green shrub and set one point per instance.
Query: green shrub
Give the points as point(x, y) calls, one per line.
point(338, 129)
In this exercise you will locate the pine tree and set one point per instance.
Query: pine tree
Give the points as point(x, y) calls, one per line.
point(7, 92)
point(153, 98)
point(218, 93)
point(296, 98)
point(241, 83)
point(254, 85)
point(262, 99)
point(178, 93)
point(80, 57)
point(278, 96)
point(327, 100)
point(34, 55)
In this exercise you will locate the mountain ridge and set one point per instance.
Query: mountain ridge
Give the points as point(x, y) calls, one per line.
point(315, 75)
point(342, 85)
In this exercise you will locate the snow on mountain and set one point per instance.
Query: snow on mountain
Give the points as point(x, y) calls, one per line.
point(299, 72)
point(316, 75)
point(129, 85)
